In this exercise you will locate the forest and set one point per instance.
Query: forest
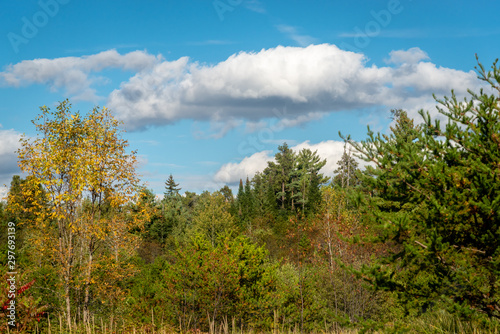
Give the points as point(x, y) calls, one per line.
point(409, 243)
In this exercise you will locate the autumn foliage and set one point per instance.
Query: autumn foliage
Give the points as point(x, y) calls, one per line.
point(406, 244)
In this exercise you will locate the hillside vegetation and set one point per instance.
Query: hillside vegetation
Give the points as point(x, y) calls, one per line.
point(408, 244)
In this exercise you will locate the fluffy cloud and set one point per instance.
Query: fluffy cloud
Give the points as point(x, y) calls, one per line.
point(307, 81)
point(410, 56)
point(232, 172)
point(73, 74)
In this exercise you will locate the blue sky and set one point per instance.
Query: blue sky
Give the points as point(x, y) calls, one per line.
point(208, 89)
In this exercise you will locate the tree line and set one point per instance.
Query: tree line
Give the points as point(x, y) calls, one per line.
point(408, 241)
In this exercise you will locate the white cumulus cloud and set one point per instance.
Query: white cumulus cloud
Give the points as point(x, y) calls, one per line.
point(232, 172)
point(73, 74)
point(305, 81)
point(410, 56)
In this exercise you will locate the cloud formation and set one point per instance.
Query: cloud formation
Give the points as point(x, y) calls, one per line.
point(410, 56)
point(307, 81)
point(73, 74)
point(232, 172)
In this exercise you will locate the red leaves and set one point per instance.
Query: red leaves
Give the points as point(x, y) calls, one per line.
point(6, 304)
point(19, 292)
point(25, 287)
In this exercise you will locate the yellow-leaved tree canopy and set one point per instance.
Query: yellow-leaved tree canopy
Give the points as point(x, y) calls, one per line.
point(82, 165)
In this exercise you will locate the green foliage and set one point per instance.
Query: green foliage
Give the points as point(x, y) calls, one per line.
point(244, 205)
point(421, 226)
point(294, 180)
point(227, 193)
point(200, 284)
point(309, 180)
point(435, 193)
point(280, 174)
point(300, 299)
point(212, 218)
point(263, 200)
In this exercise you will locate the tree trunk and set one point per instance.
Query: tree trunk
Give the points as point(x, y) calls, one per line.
point(68, 302)
point(66, 257)
point(283, 195)
point(86, 316)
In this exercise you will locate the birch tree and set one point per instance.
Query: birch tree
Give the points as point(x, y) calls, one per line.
point(77, 159)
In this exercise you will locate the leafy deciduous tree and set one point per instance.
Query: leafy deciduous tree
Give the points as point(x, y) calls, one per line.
point(73, 159)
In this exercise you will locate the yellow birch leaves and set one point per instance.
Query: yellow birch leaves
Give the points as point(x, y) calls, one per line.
point(77, 157)
point(82, 164)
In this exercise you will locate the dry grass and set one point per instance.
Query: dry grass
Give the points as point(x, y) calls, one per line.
point(58, 325)
point(437, 322)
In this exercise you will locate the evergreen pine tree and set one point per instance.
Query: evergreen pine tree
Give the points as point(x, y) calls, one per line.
point(435, 193)
point(171, 188)
point(240, 199)
point(309, 165)
point(260, 187)
point(280, 172)
point(249, 200)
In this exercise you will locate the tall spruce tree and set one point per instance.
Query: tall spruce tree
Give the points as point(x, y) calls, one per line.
point(249, 200)
point(309, 165)
point(173, 211)
point(285, 163)
point(171, 188)
point(260, 188)
point(435, 194)
point(240, 199)
point(295, 179)
point(280, 172)
point(244, 203)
